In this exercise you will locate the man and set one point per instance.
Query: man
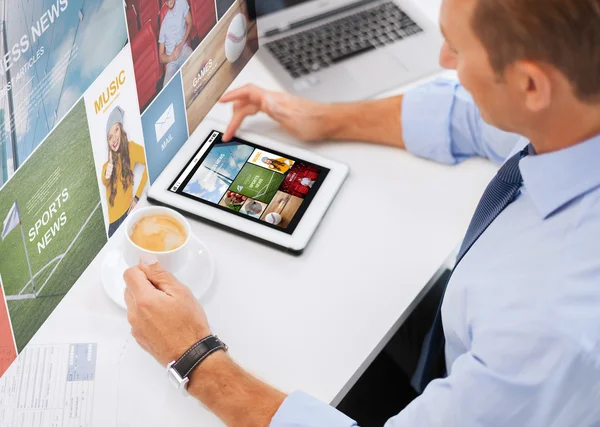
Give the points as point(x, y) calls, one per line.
point(175, 28)
point(521, 311)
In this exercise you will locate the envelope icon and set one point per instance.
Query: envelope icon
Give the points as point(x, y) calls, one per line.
point(165, 122)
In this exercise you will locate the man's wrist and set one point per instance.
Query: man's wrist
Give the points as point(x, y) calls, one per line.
point(335, 118)
point(206, 374)
point(180, 369)
point(376, 121)
point(232, 394)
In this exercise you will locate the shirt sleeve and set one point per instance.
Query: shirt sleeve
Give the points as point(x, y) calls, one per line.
point(161, 33)
point(104, 180)
point(441, 122)
point(137, 154)
point(185, 7)
point(301, 410)
point(513, 376)
point(526, 377)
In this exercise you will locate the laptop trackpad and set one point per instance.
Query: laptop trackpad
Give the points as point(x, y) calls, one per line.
point(379, 67)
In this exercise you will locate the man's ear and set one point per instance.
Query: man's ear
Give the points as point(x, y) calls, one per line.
point(534, 83)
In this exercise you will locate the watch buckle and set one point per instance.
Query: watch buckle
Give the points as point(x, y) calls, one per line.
point(225, 346)
point(173, 375)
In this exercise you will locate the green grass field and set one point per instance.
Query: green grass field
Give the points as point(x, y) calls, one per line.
point(67, 152)
point(258, 183)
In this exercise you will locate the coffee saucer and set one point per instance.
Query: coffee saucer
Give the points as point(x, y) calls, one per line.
point(197, 274)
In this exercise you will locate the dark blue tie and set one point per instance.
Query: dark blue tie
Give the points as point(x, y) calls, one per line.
point(497, 196)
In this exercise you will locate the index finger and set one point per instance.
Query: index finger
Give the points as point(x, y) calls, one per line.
point(250, 91)
point(137, 282)
point(237, 119)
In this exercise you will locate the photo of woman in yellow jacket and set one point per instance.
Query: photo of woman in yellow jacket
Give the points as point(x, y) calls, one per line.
point(279, 164)
point(117, 172)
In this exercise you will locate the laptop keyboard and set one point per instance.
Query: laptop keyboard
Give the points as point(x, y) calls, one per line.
point(320, 47)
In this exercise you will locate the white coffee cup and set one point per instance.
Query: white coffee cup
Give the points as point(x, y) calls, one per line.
point(172, 260)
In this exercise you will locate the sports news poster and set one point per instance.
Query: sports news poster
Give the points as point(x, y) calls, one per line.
point(117, 85)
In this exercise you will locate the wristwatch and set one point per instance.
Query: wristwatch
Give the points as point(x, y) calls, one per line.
point(179, 370)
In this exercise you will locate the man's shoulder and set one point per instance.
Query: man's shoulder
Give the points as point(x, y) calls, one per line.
point(581, 243)
point(182, 6)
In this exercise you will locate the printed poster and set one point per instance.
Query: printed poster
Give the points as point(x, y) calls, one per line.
point(218, 61)
point(75, 155)
point(117, 140)
point(163, 36)
point(53, 50)
point(165, 127)
point(52, 225)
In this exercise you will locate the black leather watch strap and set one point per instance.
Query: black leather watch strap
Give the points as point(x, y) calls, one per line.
point(196, 354)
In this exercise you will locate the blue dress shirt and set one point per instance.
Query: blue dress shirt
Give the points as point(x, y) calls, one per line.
point(521, 313)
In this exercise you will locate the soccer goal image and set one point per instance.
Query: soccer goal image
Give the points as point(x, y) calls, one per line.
point(52, 224)
point(258, 183)
point(42, 276)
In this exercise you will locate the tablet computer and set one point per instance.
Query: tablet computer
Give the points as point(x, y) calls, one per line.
point(252, 185)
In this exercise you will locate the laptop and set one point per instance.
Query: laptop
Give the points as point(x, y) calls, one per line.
point(345, 50)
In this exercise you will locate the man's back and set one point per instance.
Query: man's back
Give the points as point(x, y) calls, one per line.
point(520, 313)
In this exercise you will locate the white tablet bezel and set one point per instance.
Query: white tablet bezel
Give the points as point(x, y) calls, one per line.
point(296, 242)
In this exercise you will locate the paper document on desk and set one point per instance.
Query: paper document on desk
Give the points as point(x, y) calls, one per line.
point(49, 385)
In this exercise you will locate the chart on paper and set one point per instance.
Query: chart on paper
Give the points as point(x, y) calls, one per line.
point(49, 385)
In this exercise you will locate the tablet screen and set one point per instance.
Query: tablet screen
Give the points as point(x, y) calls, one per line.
point(250, 181)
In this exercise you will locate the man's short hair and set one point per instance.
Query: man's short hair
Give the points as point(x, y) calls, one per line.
point(562, 33)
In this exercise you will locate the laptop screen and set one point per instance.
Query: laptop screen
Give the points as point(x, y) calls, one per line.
point(264, 7)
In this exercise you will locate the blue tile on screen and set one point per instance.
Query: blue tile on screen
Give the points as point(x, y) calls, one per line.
point(165, 127)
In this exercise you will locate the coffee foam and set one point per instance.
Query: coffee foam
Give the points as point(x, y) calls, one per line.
point(158, 233)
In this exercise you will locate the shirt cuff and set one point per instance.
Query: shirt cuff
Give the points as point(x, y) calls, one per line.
point(301, 410)
point(424, 134)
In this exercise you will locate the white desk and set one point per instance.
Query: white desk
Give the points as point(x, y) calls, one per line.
point(319, 318)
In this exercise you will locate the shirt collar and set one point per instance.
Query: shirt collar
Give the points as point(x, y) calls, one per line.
point(554, 179)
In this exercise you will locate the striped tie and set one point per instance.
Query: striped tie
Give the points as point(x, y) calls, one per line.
point(497, 196)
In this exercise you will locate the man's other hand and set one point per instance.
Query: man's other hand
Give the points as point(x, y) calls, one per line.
point(177, 51)
point(306, 120)
point(165, 318)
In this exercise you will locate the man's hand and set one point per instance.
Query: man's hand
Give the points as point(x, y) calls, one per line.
point(177, 51)
point(370, 121)
point(166, 321)
point(165, 318)
point(306, 120)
